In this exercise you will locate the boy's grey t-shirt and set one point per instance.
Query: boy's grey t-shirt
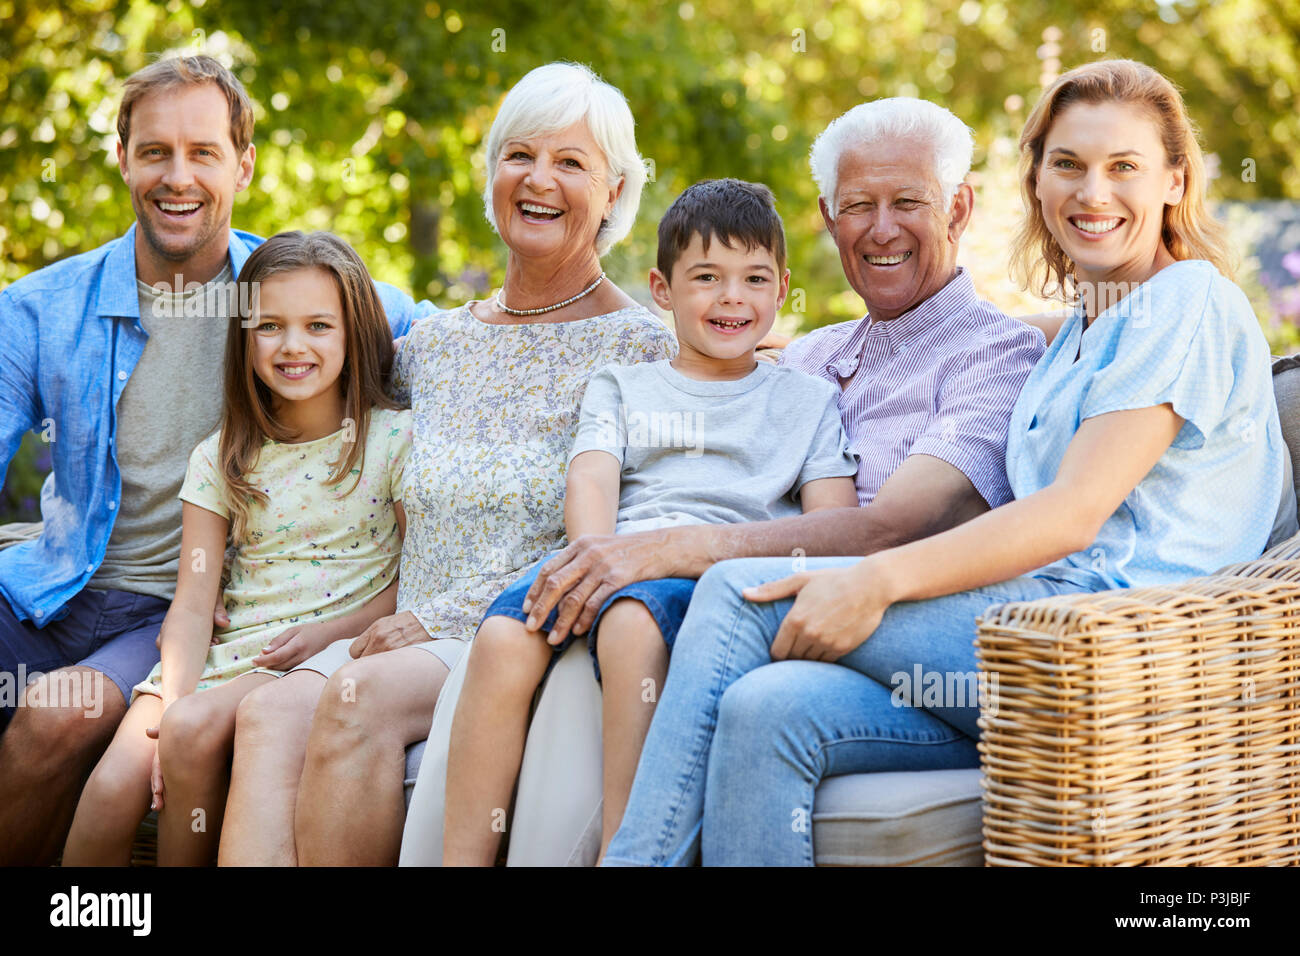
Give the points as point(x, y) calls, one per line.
point(712, 452)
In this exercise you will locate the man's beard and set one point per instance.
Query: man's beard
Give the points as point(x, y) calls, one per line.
point(158, 243)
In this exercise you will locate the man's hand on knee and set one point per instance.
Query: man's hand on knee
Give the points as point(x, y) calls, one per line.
point(581, 578)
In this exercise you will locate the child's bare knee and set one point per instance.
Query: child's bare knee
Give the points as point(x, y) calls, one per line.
point(505, 641)
point(112, 785)
point(630, 625)
point(190, 735)
point(506, 650)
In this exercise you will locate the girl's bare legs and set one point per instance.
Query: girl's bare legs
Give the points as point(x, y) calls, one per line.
point(487, 738)
point(194, 746)
point(351, 802)
point(117, 795)
point(272, 724)
point(633, 665)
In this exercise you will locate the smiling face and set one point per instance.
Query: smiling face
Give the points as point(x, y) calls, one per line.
point(1104, 183)
point(298, 336)
point(896, 236)
point(550, 192)
point(183, 171)
point(723, 300)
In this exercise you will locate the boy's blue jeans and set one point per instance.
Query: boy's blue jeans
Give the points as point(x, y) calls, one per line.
point(739, 743)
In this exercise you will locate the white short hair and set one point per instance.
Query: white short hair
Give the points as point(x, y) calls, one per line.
point(897, 117)
point(554, 97)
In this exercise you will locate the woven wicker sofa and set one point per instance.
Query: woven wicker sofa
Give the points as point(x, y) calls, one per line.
point(1154, 726)
point(1158, 726)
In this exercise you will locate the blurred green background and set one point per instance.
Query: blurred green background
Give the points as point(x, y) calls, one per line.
point(371, 118)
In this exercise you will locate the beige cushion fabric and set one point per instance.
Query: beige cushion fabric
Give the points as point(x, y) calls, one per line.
point(557, 812)
point(17, 533)
point(919, 818)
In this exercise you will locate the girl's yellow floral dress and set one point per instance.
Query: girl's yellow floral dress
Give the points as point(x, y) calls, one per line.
point(314, 551)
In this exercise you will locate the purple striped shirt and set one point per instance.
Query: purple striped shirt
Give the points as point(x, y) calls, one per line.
point(938, 380)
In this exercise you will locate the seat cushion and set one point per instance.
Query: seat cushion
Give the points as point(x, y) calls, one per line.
point(917, 818)
point(922, 818)
point(1286, 389)
point(414, 754)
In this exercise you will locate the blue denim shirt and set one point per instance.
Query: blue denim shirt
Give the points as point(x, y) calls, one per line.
point(70, 337)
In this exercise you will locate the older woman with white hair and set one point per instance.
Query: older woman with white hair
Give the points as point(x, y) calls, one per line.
point(495, 388)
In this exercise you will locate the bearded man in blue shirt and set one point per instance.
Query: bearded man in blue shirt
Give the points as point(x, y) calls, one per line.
point(123, 378)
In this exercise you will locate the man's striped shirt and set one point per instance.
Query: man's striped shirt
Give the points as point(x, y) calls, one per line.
point(939, 380)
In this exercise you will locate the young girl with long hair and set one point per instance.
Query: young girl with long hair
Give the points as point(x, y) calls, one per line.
point(305, 478)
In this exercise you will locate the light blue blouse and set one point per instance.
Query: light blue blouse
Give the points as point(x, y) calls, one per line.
point(1187, 337)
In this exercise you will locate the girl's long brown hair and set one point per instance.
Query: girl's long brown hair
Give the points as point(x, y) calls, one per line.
point(247, 420)
point(1189, 231)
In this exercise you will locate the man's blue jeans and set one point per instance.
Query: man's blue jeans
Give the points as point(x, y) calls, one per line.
point(739, 743)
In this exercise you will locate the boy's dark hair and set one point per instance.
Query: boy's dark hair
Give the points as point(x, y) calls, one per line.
point(730, 209)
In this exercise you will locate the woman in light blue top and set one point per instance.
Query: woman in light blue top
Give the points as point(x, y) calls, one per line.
point(1186, 340)
point(1145, 448)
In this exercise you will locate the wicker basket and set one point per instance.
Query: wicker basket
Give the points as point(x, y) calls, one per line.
point(1155, 726)
point(1286, 551)
point(144, 851)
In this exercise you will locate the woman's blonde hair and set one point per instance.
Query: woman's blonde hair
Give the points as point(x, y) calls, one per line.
point(247, 418)
point(1188, 230)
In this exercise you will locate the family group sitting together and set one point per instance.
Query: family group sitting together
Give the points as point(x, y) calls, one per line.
point(628, 595)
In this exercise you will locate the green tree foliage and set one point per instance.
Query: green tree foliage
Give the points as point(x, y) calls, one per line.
point(371, 117)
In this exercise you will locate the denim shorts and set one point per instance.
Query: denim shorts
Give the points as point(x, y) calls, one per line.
point(113, 632)
point(665, 598)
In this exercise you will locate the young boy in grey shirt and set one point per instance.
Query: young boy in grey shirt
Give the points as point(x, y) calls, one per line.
point(711, 436)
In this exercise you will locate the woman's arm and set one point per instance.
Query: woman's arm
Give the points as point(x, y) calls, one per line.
point(591, 495)
point(836, 610)
point(1104, 462)
point(187, 629)
point(823, 493)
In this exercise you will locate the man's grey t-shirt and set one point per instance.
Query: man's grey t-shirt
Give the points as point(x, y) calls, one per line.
point(171, 403)
point(696, 452)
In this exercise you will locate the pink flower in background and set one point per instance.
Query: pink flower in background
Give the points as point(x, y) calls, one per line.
point(1291, 263)
point(1288, 304)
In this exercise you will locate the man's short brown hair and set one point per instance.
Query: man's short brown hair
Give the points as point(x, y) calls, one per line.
point(181, 70)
